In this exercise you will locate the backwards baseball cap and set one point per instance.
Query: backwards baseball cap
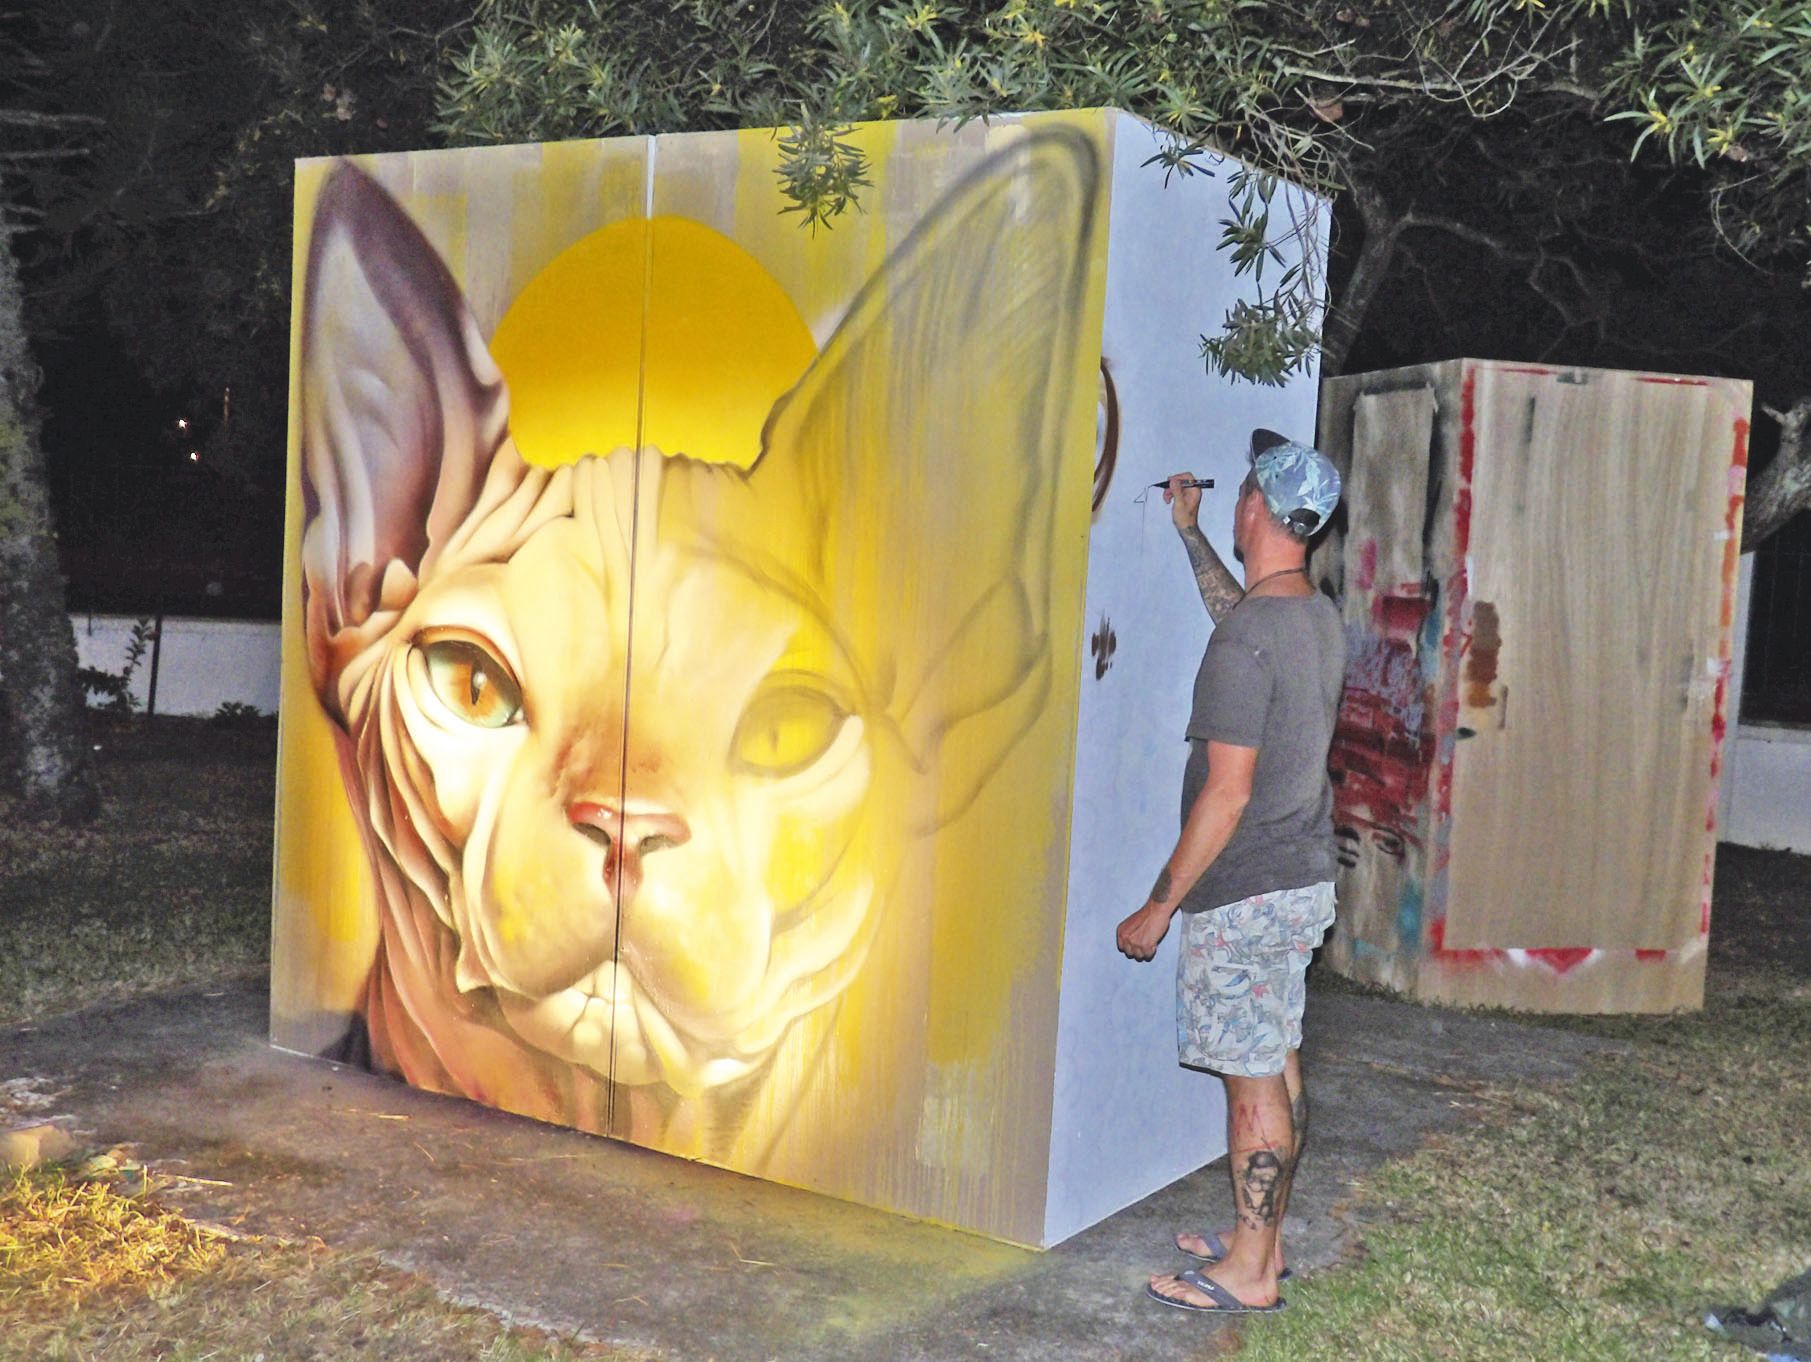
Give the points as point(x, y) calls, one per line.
point(1300, 484)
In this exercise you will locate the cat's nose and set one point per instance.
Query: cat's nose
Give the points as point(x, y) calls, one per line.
point(640, 831)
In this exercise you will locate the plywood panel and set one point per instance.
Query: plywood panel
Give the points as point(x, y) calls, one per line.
point(1389, 563)
point(414, 374)
point(835, 967)
point(1591, 661)
point(1584, 982)
point(1386, 494)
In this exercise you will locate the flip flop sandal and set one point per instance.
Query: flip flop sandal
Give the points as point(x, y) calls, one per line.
point(1217, 1245)
point(1224, 1302)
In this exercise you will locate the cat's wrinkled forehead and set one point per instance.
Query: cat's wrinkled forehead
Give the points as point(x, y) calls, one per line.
point(648, 499)
point(719, 556)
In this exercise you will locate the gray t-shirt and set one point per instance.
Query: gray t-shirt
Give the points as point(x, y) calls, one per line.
point(1270, 679)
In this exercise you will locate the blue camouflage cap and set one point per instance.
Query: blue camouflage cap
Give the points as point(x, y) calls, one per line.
point(1300, 484)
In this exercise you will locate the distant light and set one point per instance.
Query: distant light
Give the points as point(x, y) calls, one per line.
point(182, 423)
point(194, 456)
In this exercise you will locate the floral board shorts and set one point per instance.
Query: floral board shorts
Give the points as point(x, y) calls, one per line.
point(1240, 980)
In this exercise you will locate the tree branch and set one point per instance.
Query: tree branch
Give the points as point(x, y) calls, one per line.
point(1465, 232)
point(1383, 228)
point(1460, 90)
point(48, 154)
point(1783, 488)
point(1536, 260)
point(28, 118)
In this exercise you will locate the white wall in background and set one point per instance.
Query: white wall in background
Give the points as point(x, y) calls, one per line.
point(1766, 791)
point(201, 664)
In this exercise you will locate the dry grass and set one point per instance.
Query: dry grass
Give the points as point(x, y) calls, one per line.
point(90, 1271)
point(64, 1242)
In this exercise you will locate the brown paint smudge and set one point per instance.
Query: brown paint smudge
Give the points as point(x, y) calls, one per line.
point(1481, 659)
point(1102, 646)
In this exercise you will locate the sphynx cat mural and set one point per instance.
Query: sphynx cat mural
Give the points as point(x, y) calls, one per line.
point(646, 750)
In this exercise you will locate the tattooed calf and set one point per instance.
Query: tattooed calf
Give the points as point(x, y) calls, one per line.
point(1260, 1187)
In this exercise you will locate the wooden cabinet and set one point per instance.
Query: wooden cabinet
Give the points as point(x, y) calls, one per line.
point(1538, 572)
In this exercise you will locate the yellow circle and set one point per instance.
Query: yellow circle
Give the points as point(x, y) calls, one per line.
point(721, 341)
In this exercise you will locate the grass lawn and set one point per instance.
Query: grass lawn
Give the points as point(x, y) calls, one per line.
point(169, 888)
point(1598, 1222)
point(1593, 1223)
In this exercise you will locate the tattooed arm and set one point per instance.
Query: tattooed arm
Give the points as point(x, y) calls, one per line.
point(1220, 590)
point(1211, 822)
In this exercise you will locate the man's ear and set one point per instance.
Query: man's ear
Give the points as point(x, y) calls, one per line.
point(922, 451)
point(403, 411)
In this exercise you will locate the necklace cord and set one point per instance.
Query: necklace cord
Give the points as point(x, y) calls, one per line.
point(1268, 576)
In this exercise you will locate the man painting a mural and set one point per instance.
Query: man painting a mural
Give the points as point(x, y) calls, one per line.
point(1252, 873)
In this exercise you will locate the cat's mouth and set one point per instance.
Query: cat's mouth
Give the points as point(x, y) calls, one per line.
point(574, 1023)
point(611, 1025)
point(629, 1030)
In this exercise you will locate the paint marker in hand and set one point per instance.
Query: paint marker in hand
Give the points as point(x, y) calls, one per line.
point(1188, 482)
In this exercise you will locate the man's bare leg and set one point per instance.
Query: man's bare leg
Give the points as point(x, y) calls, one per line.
point(1198, 1244)
point(1261, 1133)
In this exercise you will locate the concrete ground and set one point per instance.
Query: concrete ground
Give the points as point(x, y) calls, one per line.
point(582, 1235)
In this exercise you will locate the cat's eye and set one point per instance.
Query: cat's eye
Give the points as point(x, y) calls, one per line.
point(470, 680)
point(786, 727)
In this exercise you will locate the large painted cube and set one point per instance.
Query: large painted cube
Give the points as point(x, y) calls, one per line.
point(734, 682)
point(1538, 567)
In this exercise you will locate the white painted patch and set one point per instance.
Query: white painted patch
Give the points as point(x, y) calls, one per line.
point(1126, 1118)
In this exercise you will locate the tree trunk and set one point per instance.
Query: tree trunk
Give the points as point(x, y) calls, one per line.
point(43, 702)
point(1783, 488)
point(1382, 229)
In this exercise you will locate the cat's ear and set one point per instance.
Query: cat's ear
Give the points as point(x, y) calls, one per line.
point(402, 411)
point(924, 449)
